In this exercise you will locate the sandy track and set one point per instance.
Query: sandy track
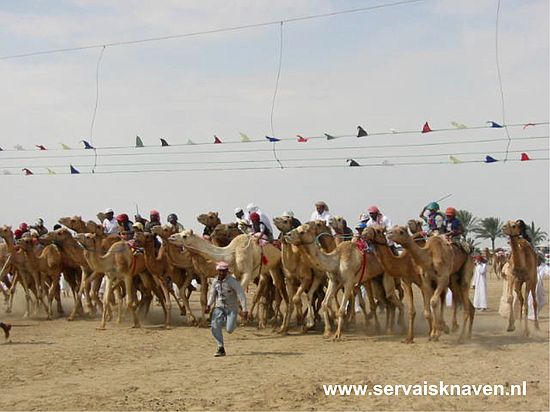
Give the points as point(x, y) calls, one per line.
point(60, 365)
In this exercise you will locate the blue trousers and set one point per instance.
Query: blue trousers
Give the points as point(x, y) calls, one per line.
point(219, 317)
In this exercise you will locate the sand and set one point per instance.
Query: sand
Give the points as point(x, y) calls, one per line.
point(61, 365)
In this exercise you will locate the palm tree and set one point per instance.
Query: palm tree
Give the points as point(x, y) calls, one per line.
point(467, 219)
point(536, 234)
point(489, 228)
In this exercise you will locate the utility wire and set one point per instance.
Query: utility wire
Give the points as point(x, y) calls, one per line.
point(500, 82)
point(275, 92)
point(95, 106)
point(213, 31)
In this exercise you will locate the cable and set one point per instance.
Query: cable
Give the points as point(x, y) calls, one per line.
point(394, 133)
point(292, 160)
point(95, 107)
point(500, 82)
point(206, 32)
point(275, 92)
point(288, 167)
point(294, 149)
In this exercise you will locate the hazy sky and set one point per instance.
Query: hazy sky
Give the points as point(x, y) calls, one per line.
point(396, 67)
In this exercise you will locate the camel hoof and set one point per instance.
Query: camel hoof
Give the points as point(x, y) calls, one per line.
point(511, 329)
point(327, 335)
point(537, 327)
point(101, 328)
point(454, 328)
point(408, 340)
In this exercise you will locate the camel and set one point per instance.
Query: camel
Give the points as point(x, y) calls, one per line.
point(497, 260)
point(74, 223)
point(193, 264)
point(346, 266)
point(299, 277)
point(341, 230)
point(47, 263)
point(247, 257)
point(401, 266)
point(223, 234)
point(119, 265)
point(520, 268)
point(440, 262)
point(210, 220)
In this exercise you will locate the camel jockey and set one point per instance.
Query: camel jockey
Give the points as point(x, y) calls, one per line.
point(24, 228)
point(242, 223)
point(138, 227)
point(110, 225)
point(39, 226)
point(140, 219)
point(125, 226)
point(17, 234)
point(452, 225)
point(295, 222)
point(435, 218)
point(174, 224)
point(321, 213)
point(259, 228)
point(154, 217)
point(6, 327)
point(224, 295)
point(377, 218)
point(251, 207)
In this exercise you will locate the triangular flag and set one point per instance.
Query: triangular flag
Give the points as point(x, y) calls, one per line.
point(329, 137)
point(458, 125)
point(272, 139)
point(301, 139)
point(190, 142)
point(139, 143)
point(524, 157)
point(18, 147)
point(426, 128)
point(28, 172)
point(86, 144)
point(217, 140)
point(1, 150)
point(493, 124)
point(361, 132)
point(41, 147)
point(393, 131)
point(64, 146)
point(50, 171)
point(163, 142)
point(529, 124)
point(6, 172)
point(74, 171)
point(352, 162)
point(489, 159)
point(454, 160)
point(244, 138)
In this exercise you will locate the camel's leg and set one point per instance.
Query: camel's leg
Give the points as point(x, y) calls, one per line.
point(260, 290)
point(310, 317)
point(412, 311)
point(523, 306)
point(394, 302)
point(94, 293)
point(132, 299)
point(435, 301)
point(203, 300)
point(106, 302)
point(166, 301)
point(11, 292)
point(427, 292)
point(348, 290)
point(186, 282)
point(372, 304)
point(510, 301)
point(291, 291)
point(331, 289)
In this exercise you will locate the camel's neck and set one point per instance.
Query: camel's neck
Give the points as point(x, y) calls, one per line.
point(213, 252)
point(150, 255)
point(393, 265)
point(73, 252)
point(327, 243)
point(326, 262)
point(517, 257)
point(99, 262)
point(420, 255)
point(9, 243)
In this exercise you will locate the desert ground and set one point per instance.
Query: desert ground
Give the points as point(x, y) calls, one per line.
point(61, 365)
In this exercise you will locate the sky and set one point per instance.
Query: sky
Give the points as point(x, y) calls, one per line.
point(389, 68)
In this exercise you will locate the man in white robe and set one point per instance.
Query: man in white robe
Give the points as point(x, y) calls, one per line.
point(480, 284)
point(543, 272)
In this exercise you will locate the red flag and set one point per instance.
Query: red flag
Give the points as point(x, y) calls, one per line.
point(524, 157)
point(528, 124)
point(217, 140)
point(41, 147)
point(426, 128)
point(301, 139)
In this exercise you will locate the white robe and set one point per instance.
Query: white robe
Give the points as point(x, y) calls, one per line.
point(542, 272)
point(480, 283)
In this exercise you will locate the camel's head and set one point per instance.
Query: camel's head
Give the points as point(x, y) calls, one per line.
point(339, 224)
point(283, 223)
point(73, 222)
point(145, 238)
point(93, 227)
point(302, 235)
point(179, 239)
point(101, 216)
point(210, 219)
point(399, 234)
point(6, 233)
point(26, 243)
point(414, 225)
point(512, 228)
point(375, 234)
point(164, 231)
point(88, 241)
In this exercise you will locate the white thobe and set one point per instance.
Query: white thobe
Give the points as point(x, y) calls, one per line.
point(326, 216)
point(480, 283)
point(542, 272)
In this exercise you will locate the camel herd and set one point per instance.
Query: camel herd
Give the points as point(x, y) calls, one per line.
point(312, 274)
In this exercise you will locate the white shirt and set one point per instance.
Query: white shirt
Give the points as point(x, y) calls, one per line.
point(326, 216)
point(263, 218)
point(381, 220)
point(110, 226)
